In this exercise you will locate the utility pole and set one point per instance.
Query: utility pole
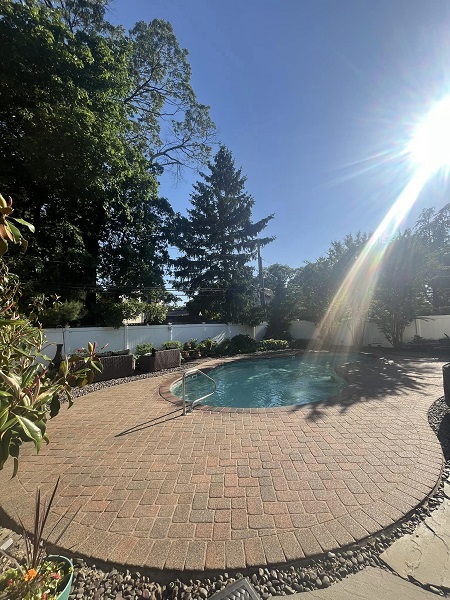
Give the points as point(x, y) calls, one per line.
point(261, 278)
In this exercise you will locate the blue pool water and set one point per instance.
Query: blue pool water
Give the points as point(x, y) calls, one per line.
point(271, 382)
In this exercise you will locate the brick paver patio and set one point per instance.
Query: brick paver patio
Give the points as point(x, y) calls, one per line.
point(222, 489)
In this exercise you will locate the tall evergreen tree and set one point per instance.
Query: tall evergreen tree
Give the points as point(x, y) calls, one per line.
point(217, 241)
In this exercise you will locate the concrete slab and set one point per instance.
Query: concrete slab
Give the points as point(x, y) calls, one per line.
point(369, 584)
point(425, 554)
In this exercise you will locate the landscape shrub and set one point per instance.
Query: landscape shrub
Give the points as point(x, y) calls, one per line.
point(142, 349)
point(243, 344)
point(222, 349)
point(172, 345)
point(206, 347)
point(299, 344)
point(266, 345)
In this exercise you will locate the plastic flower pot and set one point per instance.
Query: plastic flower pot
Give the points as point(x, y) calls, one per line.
point(66, 582)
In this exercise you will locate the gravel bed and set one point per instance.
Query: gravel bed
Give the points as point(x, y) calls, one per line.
point(91, 582)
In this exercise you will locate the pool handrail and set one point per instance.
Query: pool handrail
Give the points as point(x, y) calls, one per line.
point(183, 388)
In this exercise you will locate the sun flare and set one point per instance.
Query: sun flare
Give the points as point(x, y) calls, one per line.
point(430, 146)
point(429, 151)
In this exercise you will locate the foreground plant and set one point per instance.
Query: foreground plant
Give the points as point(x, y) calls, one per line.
point(38, 577)
point(30, 389)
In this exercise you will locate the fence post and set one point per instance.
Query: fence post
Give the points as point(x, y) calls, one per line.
point(170, 328)
point(125, 337)
point(66, 331)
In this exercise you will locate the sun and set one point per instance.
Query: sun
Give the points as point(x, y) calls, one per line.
point(430, 146)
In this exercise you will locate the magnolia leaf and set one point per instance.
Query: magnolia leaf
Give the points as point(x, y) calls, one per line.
point(55, 405)
point(22, 352)
point(11, 321)
point(11, 381)
point(4, 417)
point(3, 246)
point(23, 222)
point(9, 424)
point(15, 232)
point(31, 431)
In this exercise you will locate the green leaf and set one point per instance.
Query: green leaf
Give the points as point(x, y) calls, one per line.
point(55, 405)
point(15, 232)
point(4, 417)
point(23, 222)
point(31, 431)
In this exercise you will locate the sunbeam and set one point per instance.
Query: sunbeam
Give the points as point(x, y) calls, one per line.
point(429, 151)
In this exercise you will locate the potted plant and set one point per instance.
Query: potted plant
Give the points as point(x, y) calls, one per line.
point(39, 576)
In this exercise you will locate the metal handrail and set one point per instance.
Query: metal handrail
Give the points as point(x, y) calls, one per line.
point(183, 388)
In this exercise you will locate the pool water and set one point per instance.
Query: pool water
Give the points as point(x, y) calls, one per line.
point(270, 382)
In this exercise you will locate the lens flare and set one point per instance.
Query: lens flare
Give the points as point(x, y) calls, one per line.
point(429, 151)
point(430, 146)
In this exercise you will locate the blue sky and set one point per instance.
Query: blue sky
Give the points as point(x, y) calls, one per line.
point(316, 99)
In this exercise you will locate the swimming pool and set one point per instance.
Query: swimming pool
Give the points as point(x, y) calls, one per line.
point(271, 382)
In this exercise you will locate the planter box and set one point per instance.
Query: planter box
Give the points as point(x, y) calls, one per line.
point(115, 367)
point(159, 361)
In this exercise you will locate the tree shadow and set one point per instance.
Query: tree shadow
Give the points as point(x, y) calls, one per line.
point(376, 379)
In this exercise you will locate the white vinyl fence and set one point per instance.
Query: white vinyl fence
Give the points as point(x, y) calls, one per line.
point(128, 337)
point(432, 327)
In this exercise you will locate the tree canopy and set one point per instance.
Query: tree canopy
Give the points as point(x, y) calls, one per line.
point(90, 116)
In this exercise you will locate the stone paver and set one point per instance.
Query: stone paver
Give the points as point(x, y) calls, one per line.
point(369, 584)
point(424, 555)
point(219, 489)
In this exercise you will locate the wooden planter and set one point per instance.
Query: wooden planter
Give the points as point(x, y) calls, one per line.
point(159, 361)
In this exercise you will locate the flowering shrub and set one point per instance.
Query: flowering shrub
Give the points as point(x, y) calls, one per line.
point(42, 583)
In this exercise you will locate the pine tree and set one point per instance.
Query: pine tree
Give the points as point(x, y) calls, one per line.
point(217, 241)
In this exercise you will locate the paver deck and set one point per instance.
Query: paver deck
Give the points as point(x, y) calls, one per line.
point(148, 487)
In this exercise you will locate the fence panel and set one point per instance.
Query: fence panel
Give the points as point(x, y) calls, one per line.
point(129, 337)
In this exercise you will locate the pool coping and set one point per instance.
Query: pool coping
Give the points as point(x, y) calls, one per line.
point(165, 390)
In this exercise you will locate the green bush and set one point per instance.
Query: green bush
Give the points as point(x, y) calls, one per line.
point(143, 349)
point(266, 345)
point(222, 349)
point(206, 347)
point(172, 345)
point(243, 344)
point(299, 344)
